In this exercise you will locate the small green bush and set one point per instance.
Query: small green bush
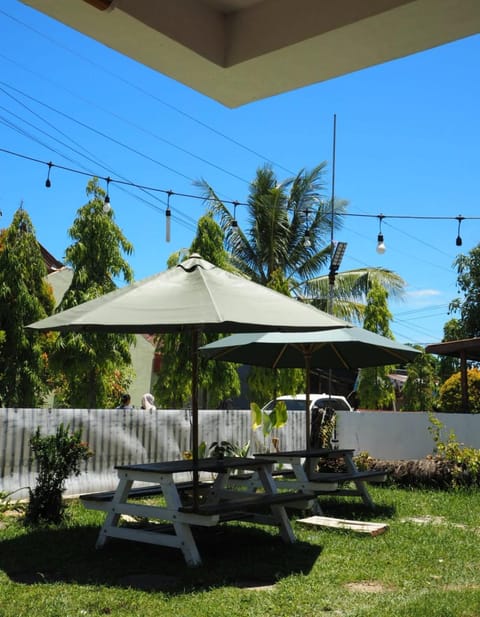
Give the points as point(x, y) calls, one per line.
point(451, 392)
point(58, 456)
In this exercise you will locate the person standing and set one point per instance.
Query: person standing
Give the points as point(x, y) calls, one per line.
point(126, 402)
point(148, 401)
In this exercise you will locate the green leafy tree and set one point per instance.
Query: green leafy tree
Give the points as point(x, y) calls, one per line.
point(272, 249)
point(25, 297)
point(265, 383)
point(419, 391)
point(375, 388)
point(448, 365)
point(93, 367)
point(218, 381)
point(451, 392)
point(468, 283)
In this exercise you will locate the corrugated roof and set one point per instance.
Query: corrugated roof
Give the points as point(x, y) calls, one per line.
point(53, 265)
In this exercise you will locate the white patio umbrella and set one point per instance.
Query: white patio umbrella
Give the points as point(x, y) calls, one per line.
point(195, 296)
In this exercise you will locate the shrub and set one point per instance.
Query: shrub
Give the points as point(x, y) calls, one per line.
point(451, 392)
point(58, 456)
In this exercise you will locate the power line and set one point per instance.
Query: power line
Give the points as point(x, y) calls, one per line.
point(147, 93)
point(413, 216)
point(207, 198)
point(162, 139)
point(190, 223)
point(52, 165)
point(108, 137)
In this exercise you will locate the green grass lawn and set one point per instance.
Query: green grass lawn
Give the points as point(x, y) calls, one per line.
point(413, 570)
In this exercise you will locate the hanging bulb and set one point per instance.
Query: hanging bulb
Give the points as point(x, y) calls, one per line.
point(106, 204)
point(381, 248)
point(458, 241)
point(306, 236)
point(168, 217)
point(234, 222)
point(48, 184)
point(168, 214)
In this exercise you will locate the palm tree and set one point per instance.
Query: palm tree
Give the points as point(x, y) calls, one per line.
point(273, 250)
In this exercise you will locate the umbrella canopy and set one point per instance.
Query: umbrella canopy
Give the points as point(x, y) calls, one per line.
point(194, 296)
point(350, 347)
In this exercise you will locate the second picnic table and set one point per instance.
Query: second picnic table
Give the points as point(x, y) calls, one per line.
point(300, 474)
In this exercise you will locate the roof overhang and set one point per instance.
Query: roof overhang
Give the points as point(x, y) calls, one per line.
point(238, 51)
point(468, 348)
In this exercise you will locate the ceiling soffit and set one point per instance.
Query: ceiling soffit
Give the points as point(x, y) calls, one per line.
point(237, 51)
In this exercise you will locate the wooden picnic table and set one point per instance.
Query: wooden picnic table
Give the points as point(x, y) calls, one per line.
point(301, 475)
point(171, 524)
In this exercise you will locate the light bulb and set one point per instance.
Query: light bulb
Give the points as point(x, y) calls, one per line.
point(381, 248)
point(107, 207)
point(48, 184)
point(458, 241)
point(168, 215)
point(306, 240)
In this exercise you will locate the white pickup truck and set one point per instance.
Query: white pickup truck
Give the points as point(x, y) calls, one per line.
point(321, 401)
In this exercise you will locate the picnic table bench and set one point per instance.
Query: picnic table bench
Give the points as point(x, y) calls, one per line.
point(218, 502)
point(299, 474)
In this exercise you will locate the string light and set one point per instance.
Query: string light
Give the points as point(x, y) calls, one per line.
point(380, 240)
point(381, 248)
point(168, 217)
point(234, 222)
point(106, 204)
point(458, 241)
point(48, 183)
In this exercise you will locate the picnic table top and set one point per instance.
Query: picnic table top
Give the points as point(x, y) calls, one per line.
point(214, 465)
point(311, 453)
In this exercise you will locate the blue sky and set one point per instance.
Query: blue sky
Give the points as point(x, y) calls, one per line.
point(407, 135)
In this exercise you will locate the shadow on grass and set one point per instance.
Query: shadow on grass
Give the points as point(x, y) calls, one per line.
point(233, 555)
point(356, 510)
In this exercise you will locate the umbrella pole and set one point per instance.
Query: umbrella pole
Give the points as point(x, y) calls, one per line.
point(307, 399)
point(308, 462)
point(195, 339)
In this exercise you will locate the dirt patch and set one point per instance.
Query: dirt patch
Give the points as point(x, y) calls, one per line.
point(425, 520)
point(437, 520)
point(368, 587)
